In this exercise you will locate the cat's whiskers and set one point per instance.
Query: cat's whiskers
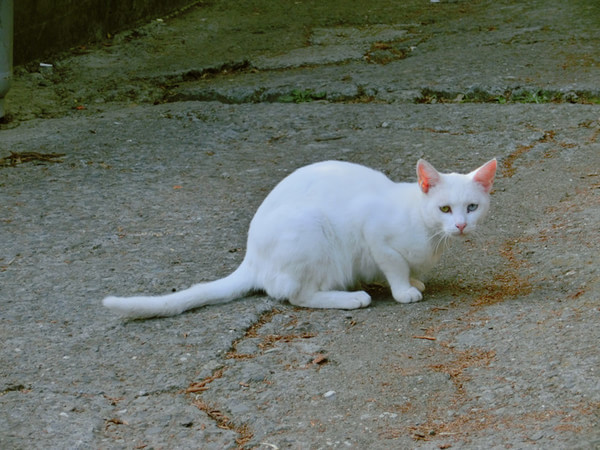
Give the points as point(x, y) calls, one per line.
point(440, 240)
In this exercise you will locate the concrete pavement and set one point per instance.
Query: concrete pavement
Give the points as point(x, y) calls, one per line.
point(502, 353)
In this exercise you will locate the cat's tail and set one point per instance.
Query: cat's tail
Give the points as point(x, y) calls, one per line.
point(224, 290)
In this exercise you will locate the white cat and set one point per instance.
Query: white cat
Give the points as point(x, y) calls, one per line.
point(329, 226)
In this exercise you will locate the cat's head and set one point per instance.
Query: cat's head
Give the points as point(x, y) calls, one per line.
point(454, 203)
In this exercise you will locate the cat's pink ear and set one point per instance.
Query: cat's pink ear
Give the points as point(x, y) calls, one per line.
point(427, 176)
point(485, 175)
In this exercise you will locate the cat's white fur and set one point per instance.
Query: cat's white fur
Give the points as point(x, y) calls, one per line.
point(329, 226)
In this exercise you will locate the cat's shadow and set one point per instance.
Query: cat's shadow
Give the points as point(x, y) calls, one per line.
point(435, 289)
point(444, 290)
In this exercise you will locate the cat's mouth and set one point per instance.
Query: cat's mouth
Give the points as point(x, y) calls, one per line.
point(461, 234)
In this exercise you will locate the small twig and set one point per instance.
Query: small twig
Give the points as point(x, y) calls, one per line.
point(428, 338)
point(329, 138)
point(4, 267)
point(200, 386)
point(195, 388)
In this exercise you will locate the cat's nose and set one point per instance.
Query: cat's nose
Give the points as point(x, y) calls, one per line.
point(461, 226)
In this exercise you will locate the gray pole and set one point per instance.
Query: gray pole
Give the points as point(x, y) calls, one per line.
point(6, 49)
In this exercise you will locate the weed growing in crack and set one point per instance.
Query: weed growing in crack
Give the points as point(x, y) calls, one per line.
point(429, 96)
point(302, 96)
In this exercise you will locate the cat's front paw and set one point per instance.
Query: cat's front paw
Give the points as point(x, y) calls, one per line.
point(409, 296)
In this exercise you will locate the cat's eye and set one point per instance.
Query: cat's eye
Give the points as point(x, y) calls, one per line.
point(445, 209)
point(472, 207)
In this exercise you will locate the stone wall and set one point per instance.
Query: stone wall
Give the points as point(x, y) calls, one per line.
point(43, 27)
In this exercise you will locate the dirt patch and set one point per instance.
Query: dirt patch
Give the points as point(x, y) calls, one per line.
point(507, 283)
point(16, 158)
point(386, 52)
point(508, 169)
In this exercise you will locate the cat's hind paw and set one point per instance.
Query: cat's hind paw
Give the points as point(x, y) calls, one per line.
point(409, 296)
point(418, 284)
point(359, 299)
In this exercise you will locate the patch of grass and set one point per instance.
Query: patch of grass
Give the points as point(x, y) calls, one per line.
point(537, 97)
point(518, 96)
point(429, 96)
point(302, 96)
